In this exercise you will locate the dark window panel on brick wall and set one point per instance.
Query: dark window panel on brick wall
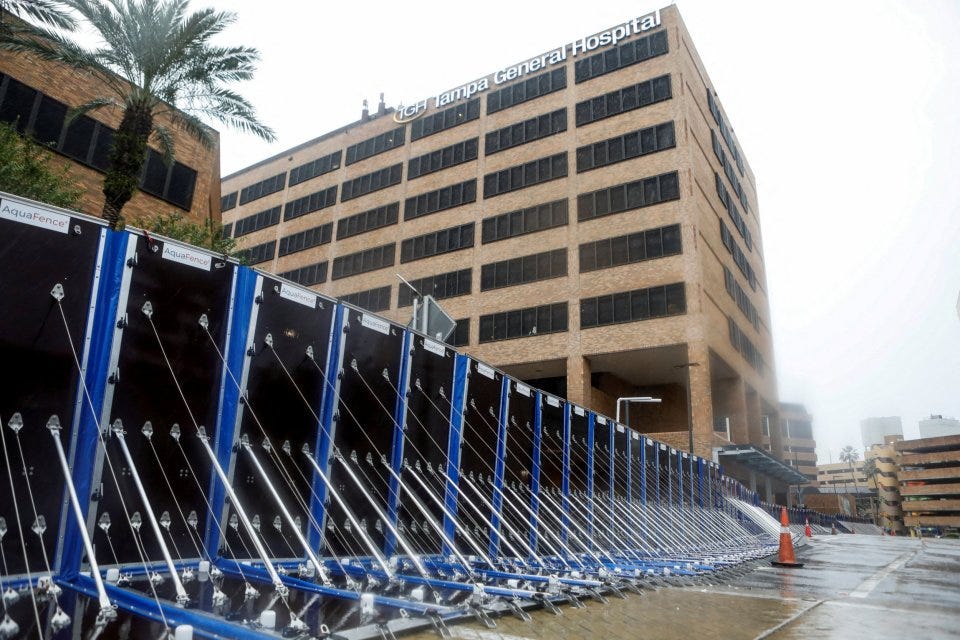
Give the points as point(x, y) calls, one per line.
point(624, 55)
point(739, 258)
point(437, 242)
point(724, 130)
point(368, 220)
point(263, 188)
point(446, 119)
point(744, 346)
point(376, 145)
point(523, 323)
point(529, 89)
point(17, 105)
point(626, 147)
point(315, 168)
point(257, 221)
point(525, 175)
point(373, 181)
point(443, 158)
point(524, 221)
point(228, 202)
point(259, 253)
point(634, 247)
point(633, 306)
point(728, 203)
point(377, 299)
point(524, 269)
point(440, 286)
point(306, 239)
point(632, 195)
point(310, 203)
point(461, 334)
point(740, 296)
point(363, 261)
point(442, 199)
point(526, 131)
point(309, 275)
point(635, 96)
point(226, 231)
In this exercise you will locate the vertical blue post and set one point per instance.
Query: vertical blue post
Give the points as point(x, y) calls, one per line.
point(629, 433)
point(535, 472)
point(565, 471)
point(669, 479)
point(643, 470)
point(656, 464)
point(454, 444)
point(500, 468)
point(680, 472)
point(396, 460)
point(590, 428)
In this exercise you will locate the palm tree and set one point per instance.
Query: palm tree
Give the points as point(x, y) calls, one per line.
point(157, 59)
point(48, 12)
point(870, 470)
point(850, 455)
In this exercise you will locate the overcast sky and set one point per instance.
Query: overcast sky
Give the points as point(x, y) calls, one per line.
point(847, 111)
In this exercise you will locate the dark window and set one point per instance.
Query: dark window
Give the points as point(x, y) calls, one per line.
point(635, 247)
point(507, 325)
point(524, 269)
point(363, 261)
point(226, 231)
point(525, 90)
point(372, 299)
point(154, 174)
point(308, 204)
point(228, 202)
point(374, 181)
point(368, 220)
point(621, 56)
point(446, 119)
point(440, 200)
point(17, 106)
point(79, 137)
point(743, 345)
point(442, 158)
point(624, 197)
point(257, 221)
point(263, 188)
point(444, 285)
point(431, 244)
point(377, 144)
point(258, 253)
point(180, 186)
point(742, 299)
point(526, 131)
point(725, 130)
point(635, 96)
point(49, 121)
point(625, 147)
point(103, 144)
point(315, 168)
point(309, 275)
point(306, 239)
point(632, 306)
point(461, 335)
point(525, 175)
point(739, 258)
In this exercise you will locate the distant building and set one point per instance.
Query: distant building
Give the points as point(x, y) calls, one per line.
point(838, 478)
point(874, 430)
point(929, 476)
point(888, 511)
point(938, 427)
point(799, 447)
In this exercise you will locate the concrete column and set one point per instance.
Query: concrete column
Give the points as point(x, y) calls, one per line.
point(729, 399)
point(754, 430)
point(579, 389)
point(701, 398)
point(768, 489)
point(753, 480)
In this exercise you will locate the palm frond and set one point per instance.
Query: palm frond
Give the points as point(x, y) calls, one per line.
point(87, 107)
point(46, 12)
point(165, 139)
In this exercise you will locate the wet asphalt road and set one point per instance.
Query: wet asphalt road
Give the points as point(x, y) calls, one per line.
point(852, 586)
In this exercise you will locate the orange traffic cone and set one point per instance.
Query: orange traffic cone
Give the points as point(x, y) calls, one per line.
point(785, 557)
point(807, 532)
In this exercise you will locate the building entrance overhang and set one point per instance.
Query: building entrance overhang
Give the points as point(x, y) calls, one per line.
point(760, 461)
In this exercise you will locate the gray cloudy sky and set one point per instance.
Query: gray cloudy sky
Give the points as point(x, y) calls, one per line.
point(847, 111)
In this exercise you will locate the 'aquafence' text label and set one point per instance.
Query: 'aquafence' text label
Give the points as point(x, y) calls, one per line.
point(34, 216)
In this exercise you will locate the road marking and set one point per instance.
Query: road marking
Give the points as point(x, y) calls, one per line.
point(478, 634)
point(769, 632)
point(871, 583)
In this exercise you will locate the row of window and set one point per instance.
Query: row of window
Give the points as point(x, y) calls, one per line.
point(743, 345)
point(306, 239)
point(520, 133)
point(377, 144)
point(461, 334)
point(309, 275)
point(625, 197)
point(636, 96)
point(728, 170)
point(740, 296)
point(446, 119)
point(442, 158)
point(368, 220)
point(363, 261)
point(632, 306)
point(634, 247)
point(621, 56)
point(520, 323)
point(738, 222)
point(739, 258)
point(226, 231)
point(257, 221)
point(523, 221)
point(724, 130)
point(315, 168)
point(525, 175)
point(228, 202)
point(440, 286)
point(310, 203)
point(263, 188)
point(520, 92)
point(373, 181)
point(524, 269)
point(440, 199)
point(626, 147)
point(377, 299)
point(437, 242)
point(87, 141)
point(258, 253)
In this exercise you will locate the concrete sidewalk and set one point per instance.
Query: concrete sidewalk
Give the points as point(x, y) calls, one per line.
point(852, 586)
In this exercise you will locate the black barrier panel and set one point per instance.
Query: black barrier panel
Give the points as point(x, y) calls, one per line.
point(167, 373)
point(637, 445)
point(519, 460)
point(665, 464)
point(620, 461)
point(40, 377)
point(478, 447)
point(601, 474)
point(427, 434)
point(579, 428)
point(285, 385)
point(551, 463)
point(364, 429)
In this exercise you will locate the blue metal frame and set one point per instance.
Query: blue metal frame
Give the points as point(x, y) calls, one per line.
point(565, 471)
point(396, 460)
point(500, 466)
point(535, 470)
point(590, 505)
point(454, 444)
